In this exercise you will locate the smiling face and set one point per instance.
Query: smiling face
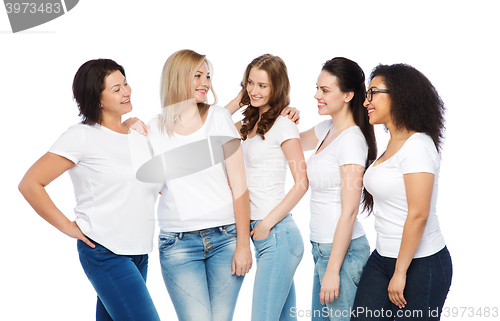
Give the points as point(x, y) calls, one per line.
point(201, 83)
point(115, 98)
point(379, 108)
point(330, 98)
point(258, 88)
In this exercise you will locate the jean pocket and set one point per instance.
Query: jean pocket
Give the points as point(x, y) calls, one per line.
point(84, 262)
point(295, 242)
point(446, 265)
point(229, 230)
point(357, 261)
point(166, 242)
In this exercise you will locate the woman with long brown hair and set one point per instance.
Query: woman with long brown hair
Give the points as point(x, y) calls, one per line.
point(270, 143)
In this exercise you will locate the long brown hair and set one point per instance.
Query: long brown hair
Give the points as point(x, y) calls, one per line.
point(279, 98)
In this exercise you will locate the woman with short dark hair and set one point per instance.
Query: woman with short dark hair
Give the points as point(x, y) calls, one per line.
point(410, 269)
point(115, 217)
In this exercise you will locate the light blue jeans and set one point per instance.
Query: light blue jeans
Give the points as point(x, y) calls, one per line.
point(277, 259)
point(350, 274)
point(196, 268)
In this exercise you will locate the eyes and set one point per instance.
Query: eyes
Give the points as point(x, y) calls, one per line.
point(261, 85)
point(199, 76)
point(124, 85)
point(323, 90)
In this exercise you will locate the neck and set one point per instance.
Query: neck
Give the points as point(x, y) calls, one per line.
point(399, 134)
point(263, 109)
point(114, 123)
point(342, 119)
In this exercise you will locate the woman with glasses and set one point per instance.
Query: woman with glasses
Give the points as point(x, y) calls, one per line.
point(408, 275)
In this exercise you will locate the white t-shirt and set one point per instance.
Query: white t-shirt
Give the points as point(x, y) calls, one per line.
point(196, 193)
point(386, 183)
point(323, 171)
point(113, 208)
point(266, 167)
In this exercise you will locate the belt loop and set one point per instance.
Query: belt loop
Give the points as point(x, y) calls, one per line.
point(221, 230)
point(180, 236)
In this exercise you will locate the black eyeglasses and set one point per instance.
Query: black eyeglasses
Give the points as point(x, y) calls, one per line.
point(369, 93)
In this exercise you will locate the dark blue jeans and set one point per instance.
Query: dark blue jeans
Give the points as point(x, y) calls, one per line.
point(120, 283)
point(428, 281)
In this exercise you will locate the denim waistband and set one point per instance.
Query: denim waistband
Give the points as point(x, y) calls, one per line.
point(200, 233)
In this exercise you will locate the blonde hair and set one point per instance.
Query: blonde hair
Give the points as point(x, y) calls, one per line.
point(176, 87)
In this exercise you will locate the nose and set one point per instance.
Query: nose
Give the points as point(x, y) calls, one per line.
point(254, 90)
point(128, 90)
point(317, 95)
point(366, 103)
point(205, 82)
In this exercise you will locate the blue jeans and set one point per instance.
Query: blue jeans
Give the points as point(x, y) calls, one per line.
point(277, 259)
point(350, 273)
point(120, 283)
point(196, 268)
point(428, 280)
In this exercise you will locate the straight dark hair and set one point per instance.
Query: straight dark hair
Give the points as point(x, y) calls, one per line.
point(351, 78)
point(88, 84)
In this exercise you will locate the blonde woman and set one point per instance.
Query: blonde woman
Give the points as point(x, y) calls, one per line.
point(203, 211)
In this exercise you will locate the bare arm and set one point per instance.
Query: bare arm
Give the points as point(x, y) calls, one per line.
point(32, 186)
point(308, 139)
point(295, 157)
point(352, 185)
point(419, 188)
point(233, 154)
point(234, 104)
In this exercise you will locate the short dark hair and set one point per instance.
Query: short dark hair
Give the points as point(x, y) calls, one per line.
point(88, 84)
point(415, 103)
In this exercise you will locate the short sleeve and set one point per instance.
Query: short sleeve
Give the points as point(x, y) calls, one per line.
point(352, 149)
point(71, 144)
point(322, 129)
point(419, 155)
point(225, 125)
point(286, 130)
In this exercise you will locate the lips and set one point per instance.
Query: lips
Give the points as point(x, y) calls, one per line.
point(321, 104)
point(370, 110)
point(202, 91)
point(126, 101)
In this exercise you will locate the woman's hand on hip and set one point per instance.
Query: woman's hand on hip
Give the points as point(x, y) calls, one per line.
point(74, 231)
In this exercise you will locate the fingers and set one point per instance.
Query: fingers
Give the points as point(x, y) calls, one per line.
point(398, 299)
point(233, 267)
point(87, 241)
point(326, 297)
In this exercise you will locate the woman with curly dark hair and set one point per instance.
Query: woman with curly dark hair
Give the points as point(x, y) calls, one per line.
point(270, 143)
point(408, 275)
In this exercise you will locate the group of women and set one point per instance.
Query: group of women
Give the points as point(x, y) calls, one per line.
point(221, 184)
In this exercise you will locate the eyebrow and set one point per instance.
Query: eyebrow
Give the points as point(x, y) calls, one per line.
point(322, 86)
point(124, 81)
point(201, 72)
point(260, 83)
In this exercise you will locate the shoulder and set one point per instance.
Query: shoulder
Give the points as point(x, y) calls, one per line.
point(353, 136)
point(217, 110)
point(420, 142)
point(322, 128)
point(284, 121)
point(419, 154)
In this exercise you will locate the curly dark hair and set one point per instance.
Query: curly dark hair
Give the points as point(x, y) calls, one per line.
point(351, 78)
point(415, 103)
point(278, 99)
point(88, 84)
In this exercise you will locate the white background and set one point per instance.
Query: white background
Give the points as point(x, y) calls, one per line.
point(454, 43)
